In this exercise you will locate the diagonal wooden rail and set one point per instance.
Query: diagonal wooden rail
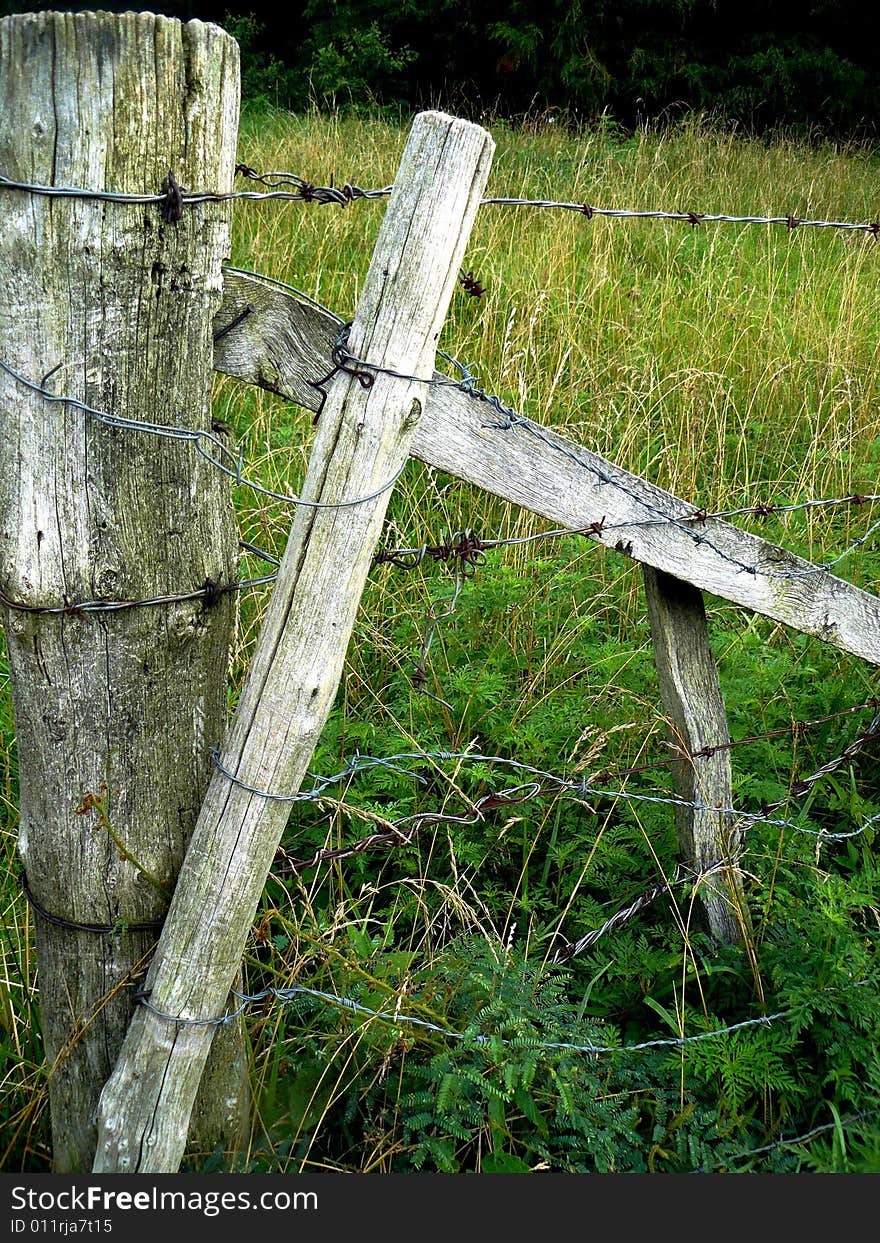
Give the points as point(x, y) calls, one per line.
point(362, 443)
point(283, 344)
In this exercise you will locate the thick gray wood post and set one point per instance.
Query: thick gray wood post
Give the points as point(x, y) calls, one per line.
point(115, 712)
point(694, 707)
point(363, 441)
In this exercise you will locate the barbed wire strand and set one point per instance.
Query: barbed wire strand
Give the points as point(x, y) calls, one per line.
point(400, 834)
point(793, 1140)
point(286, 186)
point(195, 436)
point(294, 991)
point(580, 788)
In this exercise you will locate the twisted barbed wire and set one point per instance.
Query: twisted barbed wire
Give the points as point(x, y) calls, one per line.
point(692, 218)
point(680, 876)
point(295, 991)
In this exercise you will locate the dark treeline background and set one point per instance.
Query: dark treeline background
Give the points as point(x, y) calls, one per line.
point(759, 63)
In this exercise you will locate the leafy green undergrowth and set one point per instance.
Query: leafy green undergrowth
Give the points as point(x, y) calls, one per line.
point(354, 1092)
point(459, 927)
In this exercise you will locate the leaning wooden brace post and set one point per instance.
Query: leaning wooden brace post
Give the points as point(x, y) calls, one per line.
point(694, 707)
point(111, 304)
point(362, 443)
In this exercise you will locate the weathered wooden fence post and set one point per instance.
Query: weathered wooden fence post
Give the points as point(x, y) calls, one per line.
point(694, 707)
point(363, 441)
point(111, 304)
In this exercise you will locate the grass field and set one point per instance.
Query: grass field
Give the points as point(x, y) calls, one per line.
point(732, 365)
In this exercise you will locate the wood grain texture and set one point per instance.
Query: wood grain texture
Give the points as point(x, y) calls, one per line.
point(122, 304)
point(697, 719)
point(285, 346)
point(362, 442)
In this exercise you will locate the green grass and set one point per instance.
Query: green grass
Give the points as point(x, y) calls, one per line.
point(732, 365)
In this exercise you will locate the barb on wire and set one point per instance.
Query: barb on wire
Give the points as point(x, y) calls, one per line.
point(799, 788)
point(307, 191)
point(470, 283)
point(682, 874)
point(465, 551)
point(794, 729)
point(209, 593)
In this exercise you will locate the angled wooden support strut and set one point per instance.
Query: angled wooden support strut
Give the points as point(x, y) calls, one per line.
point(284, 345)
point(363, 441)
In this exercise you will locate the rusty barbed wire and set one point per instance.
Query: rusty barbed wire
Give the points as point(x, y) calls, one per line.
point(471, 285)
point(307, 191)
point(683, 874)
point(209, 593)
point(411, 558)
point(794, 730)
